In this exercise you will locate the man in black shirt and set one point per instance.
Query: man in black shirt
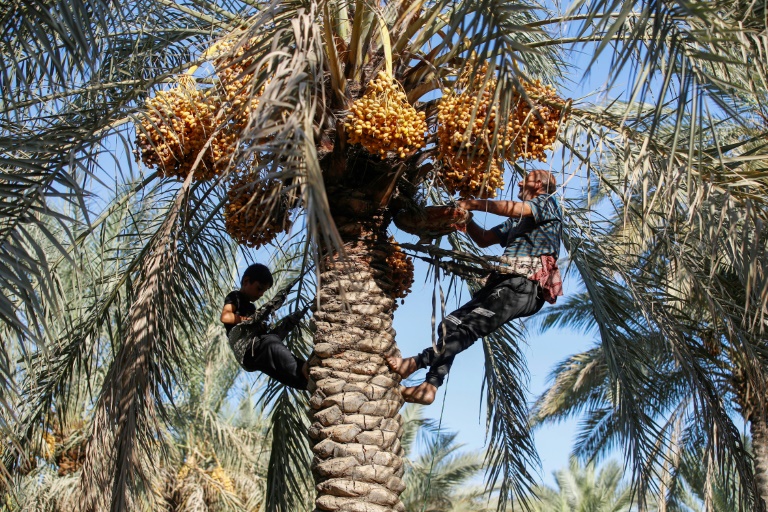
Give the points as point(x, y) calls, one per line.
point(262, 351)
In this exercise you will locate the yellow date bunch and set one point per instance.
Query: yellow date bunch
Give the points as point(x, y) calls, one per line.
point(184, 121)
point(220, 476)
point(382, 120)
point(535, 129)
point(472, 160)
point(235, 69)
point(67, 451)
point(402, 271)
point(471, 167)
point(174, 129)
point(256, 211)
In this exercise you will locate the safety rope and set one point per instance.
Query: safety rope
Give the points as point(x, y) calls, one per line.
point(462, 263)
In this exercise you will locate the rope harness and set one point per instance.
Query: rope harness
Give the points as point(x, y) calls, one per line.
point(464, 264)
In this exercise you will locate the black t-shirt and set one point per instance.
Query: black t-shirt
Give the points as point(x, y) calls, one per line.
point(241, 304)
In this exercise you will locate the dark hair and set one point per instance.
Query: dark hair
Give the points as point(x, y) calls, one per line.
point(258, 272)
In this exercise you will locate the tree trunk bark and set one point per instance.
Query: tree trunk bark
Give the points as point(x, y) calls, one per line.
point(356, 427)
point(758, 427)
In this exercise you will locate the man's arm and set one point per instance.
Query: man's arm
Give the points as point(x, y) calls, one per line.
point(290, 322)
point(228, 315)
point(503, 208)
point(482, 237)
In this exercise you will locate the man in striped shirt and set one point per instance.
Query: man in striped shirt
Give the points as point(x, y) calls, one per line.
point(531, 240)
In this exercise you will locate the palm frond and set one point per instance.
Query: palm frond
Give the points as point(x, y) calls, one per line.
point(511, 455)
point(289, 480)
point(578, 382)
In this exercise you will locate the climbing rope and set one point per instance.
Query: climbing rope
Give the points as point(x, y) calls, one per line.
point(462, 263)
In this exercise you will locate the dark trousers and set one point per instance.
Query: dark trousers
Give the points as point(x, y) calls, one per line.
point(498, 302)
point(269, 355)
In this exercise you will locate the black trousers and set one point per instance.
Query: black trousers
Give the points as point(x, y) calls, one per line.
point(268, 354)
point(501, 300)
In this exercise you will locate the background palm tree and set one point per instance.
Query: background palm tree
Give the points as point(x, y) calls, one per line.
point(438, 477)
point(581, 489)
point(75, 74)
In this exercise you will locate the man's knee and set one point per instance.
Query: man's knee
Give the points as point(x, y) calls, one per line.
point(450, 325)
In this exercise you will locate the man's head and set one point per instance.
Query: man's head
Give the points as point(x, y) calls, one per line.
point(535, 183)
point(256, 280)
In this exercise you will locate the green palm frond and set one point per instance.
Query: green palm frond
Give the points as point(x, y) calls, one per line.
point(686, 52)
point(682, 381)
point(573, 311)
point(634, 412)
point(436, 471)
point(511, 455)
point(585, 488)
point(415, 428)
point(133, 387)
point(578, 382)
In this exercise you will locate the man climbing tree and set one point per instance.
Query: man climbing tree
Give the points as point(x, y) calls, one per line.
point(531, 240)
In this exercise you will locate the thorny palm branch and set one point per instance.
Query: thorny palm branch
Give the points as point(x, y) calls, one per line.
point(72, 77)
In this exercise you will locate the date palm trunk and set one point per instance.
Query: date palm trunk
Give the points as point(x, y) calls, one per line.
point(356, 427)
point(758, 428)
point(753, 412)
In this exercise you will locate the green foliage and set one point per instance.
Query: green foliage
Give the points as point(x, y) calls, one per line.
point(585, 489)
point(438, 477)
point(108, 276)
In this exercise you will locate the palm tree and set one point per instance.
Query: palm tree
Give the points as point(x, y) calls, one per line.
point(76, 75)
point(345, 191)
point(437, 478)
point(582, 489)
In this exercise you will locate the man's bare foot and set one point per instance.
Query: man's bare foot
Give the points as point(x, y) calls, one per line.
point(403, 367)
point(423, 394)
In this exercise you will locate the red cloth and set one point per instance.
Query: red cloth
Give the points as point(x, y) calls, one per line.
point(549, 279)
